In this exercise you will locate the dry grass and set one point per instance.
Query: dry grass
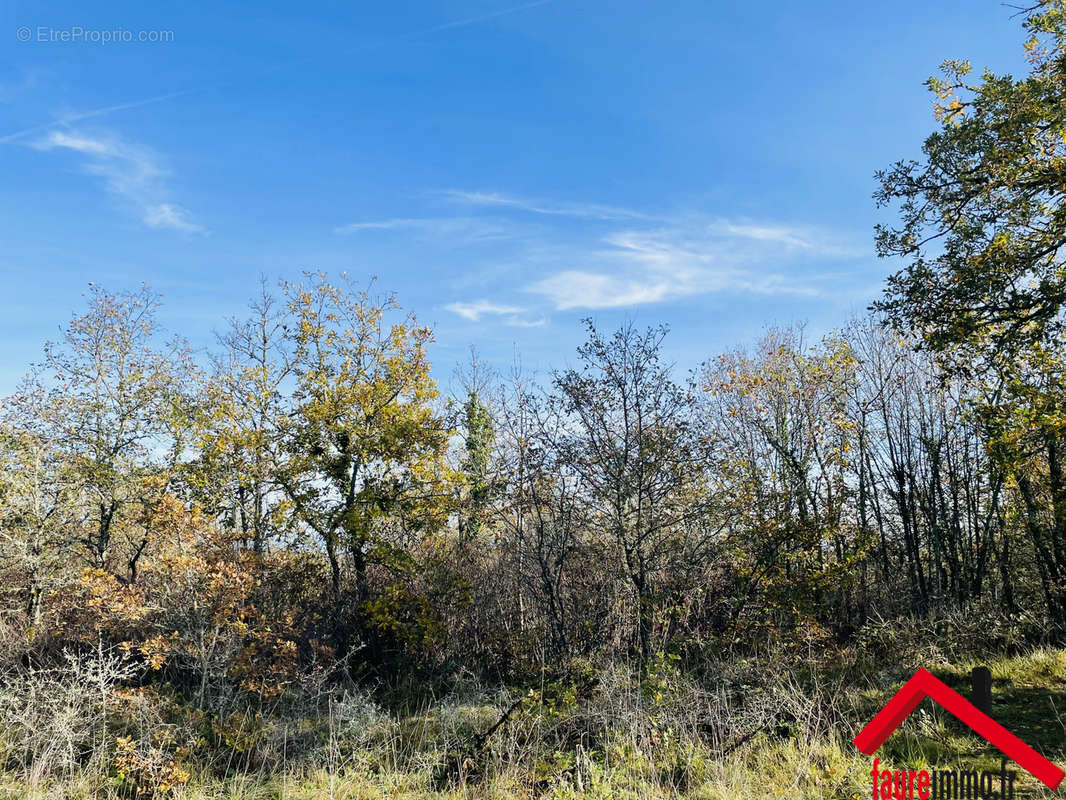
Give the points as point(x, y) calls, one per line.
point(744, 731)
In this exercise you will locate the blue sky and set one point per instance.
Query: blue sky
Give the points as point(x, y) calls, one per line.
point(505, 169)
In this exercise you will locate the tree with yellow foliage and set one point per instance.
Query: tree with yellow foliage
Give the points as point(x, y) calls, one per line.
point(364, 447)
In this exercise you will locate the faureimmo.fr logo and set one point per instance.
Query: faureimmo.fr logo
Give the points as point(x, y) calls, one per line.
point(925, 784)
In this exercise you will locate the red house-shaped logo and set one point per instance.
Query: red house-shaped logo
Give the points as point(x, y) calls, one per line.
point(923, 685)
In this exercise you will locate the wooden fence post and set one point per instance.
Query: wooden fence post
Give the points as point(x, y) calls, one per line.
point(981, 688)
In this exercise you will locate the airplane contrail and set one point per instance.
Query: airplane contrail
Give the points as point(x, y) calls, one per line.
point(474, 20)
point(399, 37)
point(96, 112)
point(100, 112)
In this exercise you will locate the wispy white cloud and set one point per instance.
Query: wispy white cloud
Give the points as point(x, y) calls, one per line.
point(780, 234)
point(595, 256)
point(169, 215)
point(636, 266)
point(399, 223)
point(465, 228)
point(788, 236)
point(648, 258)
point(475, 310)
point(580, 289)
point(510, 315)
point(130, 172)
point(595, 290)
point(590, 211)
point(518, 322)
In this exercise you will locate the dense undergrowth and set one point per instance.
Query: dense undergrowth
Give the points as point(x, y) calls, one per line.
point(774, 722)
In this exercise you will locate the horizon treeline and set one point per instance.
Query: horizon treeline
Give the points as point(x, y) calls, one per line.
point(308, 502)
